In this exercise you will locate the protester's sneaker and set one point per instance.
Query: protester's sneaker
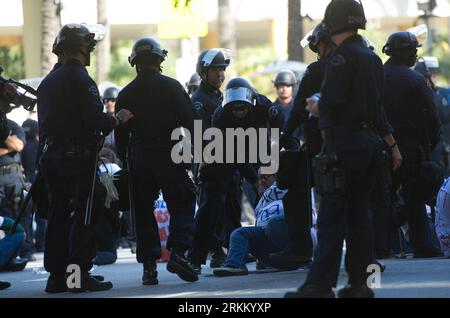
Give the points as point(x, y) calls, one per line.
point(179, 265)
point(260, 265)
point(150, 275)
point(287, 261)
point(4, 285)
point(229, 271)
point(15, 265)
point(89, 283)
point(56, 284)
point(311, 291)
point(28, 257)
point(356, 292)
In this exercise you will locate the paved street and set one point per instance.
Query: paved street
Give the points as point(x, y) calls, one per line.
point(404, 278)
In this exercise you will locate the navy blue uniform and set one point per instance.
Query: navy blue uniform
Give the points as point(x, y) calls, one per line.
point(410, 108)
point(296, 200)
point(160, 105)
point(352, 94)
point(219, 178)
point(206, 101)
point(70, 116)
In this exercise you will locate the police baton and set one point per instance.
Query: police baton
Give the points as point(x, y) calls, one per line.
point(131, 190)
point(90, 200)
point(309, 186)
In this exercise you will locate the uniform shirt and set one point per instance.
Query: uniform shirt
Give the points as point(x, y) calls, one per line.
point(410, 105)
point(69, 106)
point(310, 85)
point(159, 104)
point(4, 129)
point(206, 100)
point(29, 158)
point(13, 157)
point(286, 111)
point(352, 90)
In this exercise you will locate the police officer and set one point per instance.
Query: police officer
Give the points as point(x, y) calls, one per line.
point(299, 248)
point(70, 117)
point(285, 83)
point(412, 112)
point(109, 100)
point(160, 105)
point(193, 84)
point(429, 67)
point(242, 108)
point(350, 105)
point(211, 67)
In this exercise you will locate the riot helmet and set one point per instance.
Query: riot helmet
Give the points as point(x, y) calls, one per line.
point(145, 47)
point(285, 77)
point(239, 95)
point(214, 58)
point(402, 46)
point(111, 93)
point(315, 37)
point(422, 68)
point(344, 15)
point(193, 84)
point(75, 36)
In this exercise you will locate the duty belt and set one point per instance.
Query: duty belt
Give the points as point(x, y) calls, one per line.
point(10, 168)
point(345, 130)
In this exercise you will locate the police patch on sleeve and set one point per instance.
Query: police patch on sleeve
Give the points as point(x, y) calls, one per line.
point(198, 106)
point(94, 91)
point(273, 112)
point(338, 60)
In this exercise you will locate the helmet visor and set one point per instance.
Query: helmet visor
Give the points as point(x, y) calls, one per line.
point(421, 33)
point(304, 43)
point(238, 94)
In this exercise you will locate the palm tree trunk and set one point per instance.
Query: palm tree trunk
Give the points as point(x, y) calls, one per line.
point(49, 28)
point(295, 31)
point(227, 27)
point(103, 47)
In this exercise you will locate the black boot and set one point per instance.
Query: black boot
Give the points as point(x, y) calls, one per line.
point(289, 261)
point(150, 275)
point(56, 283)
point(179, 265)
point(356, 292)
point(4, 285)
point(311, 291)
point(89, 283)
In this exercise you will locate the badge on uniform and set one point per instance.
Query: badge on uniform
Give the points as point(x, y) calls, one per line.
point(273, 112)
point(94, 91)
point(338, 60)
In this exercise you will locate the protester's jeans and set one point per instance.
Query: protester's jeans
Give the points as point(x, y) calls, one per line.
point(258, 241)
point(9, 248)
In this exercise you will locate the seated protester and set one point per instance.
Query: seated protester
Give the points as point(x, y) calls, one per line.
point(107, 231)
point(443, 218)
point(10, 246)
point(269, 235)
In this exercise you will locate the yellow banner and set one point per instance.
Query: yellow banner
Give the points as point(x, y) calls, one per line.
point(182, 19)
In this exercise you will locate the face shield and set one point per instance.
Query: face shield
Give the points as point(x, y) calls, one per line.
point(421, 33)
point(305, 42)
point(239, 96)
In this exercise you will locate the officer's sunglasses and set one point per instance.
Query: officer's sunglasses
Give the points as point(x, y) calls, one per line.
point(105, 101)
